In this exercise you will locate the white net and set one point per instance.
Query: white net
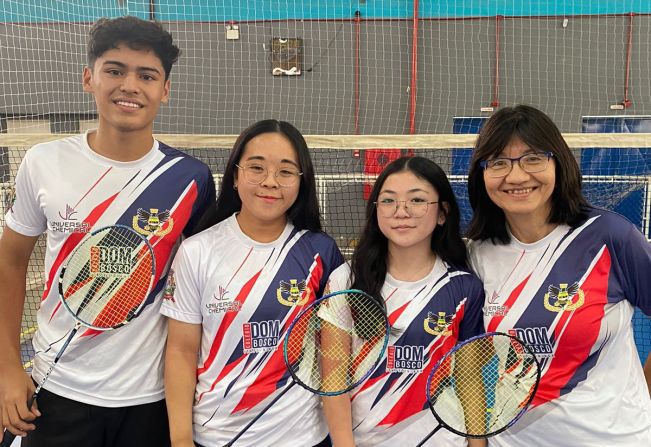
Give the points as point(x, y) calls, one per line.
point(345, 67)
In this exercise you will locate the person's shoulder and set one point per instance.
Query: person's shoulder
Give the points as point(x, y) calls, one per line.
point(464, 274)
point(610, 224)
point(340, 278)
point(172, 152)
point(210, 238)
point(319, 237)
point(74, 142)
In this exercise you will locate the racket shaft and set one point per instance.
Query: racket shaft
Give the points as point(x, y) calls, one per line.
point(259, 415)
point(421, 443)
point(9, 437)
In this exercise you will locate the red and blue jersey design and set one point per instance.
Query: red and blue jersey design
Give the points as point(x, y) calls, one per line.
point(245, 295)
point(570, 297)
point(66, 190)
point(428, 317)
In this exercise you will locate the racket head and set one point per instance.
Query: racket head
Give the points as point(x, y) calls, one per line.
point(336, 342)
point(508, 373)
point(107, 277)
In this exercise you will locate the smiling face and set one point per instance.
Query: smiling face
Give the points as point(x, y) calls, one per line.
point(402, 229)
point(266, 203)
point(128, 86)
point(521, 194)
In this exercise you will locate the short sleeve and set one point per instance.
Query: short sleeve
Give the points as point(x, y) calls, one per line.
point(182, 293)
point(25, 215)
point(633, 256)
point(331, 311)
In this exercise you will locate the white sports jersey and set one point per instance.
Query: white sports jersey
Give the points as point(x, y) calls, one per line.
point(570, 297)
point(65, 189)
point(428, 317)
point(245, 294)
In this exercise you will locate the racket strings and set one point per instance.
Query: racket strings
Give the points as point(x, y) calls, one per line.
point(334, 345)
point(108, 277)
point(484, 386)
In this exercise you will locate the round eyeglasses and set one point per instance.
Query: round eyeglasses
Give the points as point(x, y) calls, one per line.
point(502, 166)
point(413, 207)
point(255, 174)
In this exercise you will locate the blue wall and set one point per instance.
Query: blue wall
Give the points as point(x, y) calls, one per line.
point(241, 10)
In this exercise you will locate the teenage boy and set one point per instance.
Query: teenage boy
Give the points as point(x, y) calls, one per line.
point(107, 390)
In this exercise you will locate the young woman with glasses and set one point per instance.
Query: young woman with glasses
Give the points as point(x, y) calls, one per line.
point(412, 259)
point(236, 287)
point(564, 277)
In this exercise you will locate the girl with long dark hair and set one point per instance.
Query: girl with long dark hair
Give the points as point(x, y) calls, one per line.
point(238, 286)
point(410, 258)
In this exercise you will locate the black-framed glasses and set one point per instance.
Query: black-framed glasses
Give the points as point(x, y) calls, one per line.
point(502, 166)
point(257, 173)
point(413, 207)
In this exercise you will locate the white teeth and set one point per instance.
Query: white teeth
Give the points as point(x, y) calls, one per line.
point(129, 104)
point(519, 191)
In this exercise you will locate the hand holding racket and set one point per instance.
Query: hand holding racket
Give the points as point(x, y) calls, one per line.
point(482, 386)
point(103, 285)
point(333, 345)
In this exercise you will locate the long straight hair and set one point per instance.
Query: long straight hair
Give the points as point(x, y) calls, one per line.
point(369, 263)
point(538, 131)
point(304, 212)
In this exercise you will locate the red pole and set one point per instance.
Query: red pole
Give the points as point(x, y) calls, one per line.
point(496, 82)
point(414, 72)
point(629, 48)
point(358, 23)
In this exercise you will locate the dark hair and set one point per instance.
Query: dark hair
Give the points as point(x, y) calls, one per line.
point(538, 131)
point(369, 263)
point(304, 212)
point(137, 34)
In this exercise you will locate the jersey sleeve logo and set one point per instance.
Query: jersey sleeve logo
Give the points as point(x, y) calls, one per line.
point(564, 298)
point(12, 197)
point(170, 287)
point(154, 222)
point(291, 293)
point(437, 324)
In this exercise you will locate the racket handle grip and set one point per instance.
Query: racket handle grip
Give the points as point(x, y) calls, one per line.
point(7, 439)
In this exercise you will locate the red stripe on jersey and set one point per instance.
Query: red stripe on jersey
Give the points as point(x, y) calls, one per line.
point(315, 274)
point(496, 320)
point(266, 382)
point(576, 333)
point(368, 384)
point(226, 323)
point(393, 317)
point(364, 352)
point(180, 216)
point(92, 187)
point(69, 245)
point(224, 372)
point(413, 400)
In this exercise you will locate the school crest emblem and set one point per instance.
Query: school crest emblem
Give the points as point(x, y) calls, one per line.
point(437, 324)
point(293, 293)
point(564, 297)
point(153, 222)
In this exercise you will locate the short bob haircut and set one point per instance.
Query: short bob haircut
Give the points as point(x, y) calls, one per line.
point(137, 34)
point(304, 213)
point(538, 131)
point(369, 263)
